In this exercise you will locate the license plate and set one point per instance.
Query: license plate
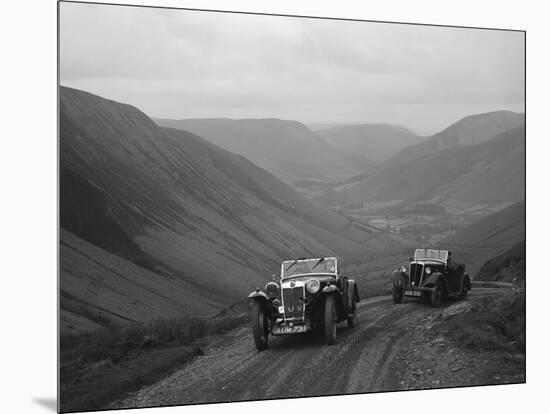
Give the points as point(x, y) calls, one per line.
point(283, 330)
point(412, 293)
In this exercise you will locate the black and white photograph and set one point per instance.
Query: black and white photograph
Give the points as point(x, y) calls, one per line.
point(257, 206)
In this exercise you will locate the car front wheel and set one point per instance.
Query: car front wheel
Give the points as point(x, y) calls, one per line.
point(397, 294)
point(436, 295)
point(330, 320)
point(258, 319)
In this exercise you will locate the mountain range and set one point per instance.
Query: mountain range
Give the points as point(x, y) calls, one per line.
point(449, 166)
point(471, 130)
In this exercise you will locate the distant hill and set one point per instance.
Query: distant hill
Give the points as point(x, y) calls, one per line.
point(506, 266)
point(199, 220)
point(490, 172)
point(374, 141)
point(287, 149)
point(471, 130)
point(504, 228)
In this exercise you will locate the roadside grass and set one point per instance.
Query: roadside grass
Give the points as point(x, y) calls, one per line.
point(102, 366)
point(495, 323)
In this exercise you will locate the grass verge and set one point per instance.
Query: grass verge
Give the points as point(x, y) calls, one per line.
point(495, 323)
point(102, 366)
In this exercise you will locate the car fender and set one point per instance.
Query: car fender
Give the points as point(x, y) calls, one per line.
point(433, 278)
point(466, 276)
point(257, 295)
point(399, 278)
point(340, 306)
point(353, 288)
point(353, 295)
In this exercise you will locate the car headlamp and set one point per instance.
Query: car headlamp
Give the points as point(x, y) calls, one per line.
point(428, 271)
point(313, 286)
point(404, 269)
point(272, 289)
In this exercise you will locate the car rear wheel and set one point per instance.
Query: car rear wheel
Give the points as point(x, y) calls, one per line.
point(258, 319)
point(330, 320)
point(436, 295)
point(397, 294)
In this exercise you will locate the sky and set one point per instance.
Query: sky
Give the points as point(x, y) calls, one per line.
point(192, 64)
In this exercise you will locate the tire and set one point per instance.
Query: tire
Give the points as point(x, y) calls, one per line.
point(437, 294)
point(352, 320)
point(397, 294)
point(258, 320)
point(330, 320)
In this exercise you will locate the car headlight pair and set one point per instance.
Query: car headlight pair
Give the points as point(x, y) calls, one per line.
point(313, 286)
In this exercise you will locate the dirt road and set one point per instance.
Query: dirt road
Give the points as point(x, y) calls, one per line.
point(375, 355)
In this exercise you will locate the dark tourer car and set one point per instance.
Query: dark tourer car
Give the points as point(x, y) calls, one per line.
point(310, 295)
point(431, 274)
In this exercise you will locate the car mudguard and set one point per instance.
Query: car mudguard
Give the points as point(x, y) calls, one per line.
point(433, 278)
point(399, 278)
point(355, 291)
point(353, 294)
point(257, 295)
point(466, 276)
point(340, 305)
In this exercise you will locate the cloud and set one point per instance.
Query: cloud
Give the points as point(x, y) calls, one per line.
point(179, 64)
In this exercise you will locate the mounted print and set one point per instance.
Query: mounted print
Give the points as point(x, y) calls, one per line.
point(258, 206)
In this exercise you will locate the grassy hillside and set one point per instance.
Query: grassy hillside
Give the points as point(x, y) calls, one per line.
point(200, 220)
point(99, 289)
point(287, 149)
point(505, 267)
point(374, 141)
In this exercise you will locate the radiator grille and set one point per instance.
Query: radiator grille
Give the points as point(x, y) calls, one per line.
point(416, 274)
point(293, 302)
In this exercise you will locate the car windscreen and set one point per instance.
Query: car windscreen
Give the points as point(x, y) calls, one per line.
point(299, 267)
point(431, 254)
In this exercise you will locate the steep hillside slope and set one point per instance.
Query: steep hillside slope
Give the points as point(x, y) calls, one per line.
point(470, 130)
point(490, 172)
point(504, 228)
point(179, 207)
point(374, 141)
point(287, 149)
point(505, 267)
point(98, 288)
